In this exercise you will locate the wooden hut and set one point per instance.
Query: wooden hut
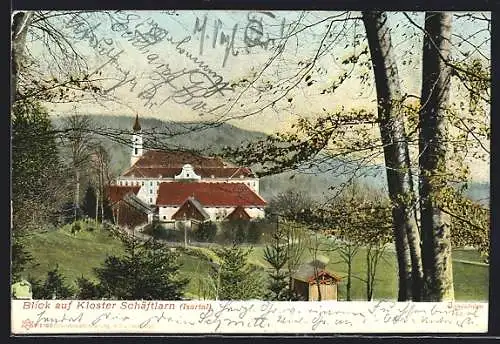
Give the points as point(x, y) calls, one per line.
point(311, 275)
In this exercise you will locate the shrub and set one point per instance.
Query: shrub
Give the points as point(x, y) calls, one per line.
point(76, 227)
point(54, 287)
point(205, 232)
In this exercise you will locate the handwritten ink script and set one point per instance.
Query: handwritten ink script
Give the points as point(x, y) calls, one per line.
point(254, 34)
point(192, 83)
point(73, 316)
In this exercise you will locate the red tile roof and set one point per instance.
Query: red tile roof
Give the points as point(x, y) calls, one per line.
point(238, 213)
point(204, 172)
point(116, 192)
point(157, 158)
point(208, 194)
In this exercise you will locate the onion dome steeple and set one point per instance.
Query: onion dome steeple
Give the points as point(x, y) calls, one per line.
point(137, 126)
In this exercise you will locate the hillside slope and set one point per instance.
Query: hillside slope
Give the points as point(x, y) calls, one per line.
point(78, 254)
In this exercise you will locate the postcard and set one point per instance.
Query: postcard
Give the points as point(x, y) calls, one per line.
point(250, 171)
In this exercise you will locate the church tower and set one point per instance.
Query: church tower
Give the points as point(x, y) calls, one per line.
point(136, 142)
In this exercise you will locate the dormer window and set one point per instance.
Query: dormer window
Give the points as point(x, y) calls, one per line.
point(187, 172)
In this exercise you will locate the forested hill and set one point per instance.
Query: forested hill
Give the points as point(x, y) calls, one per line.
point(212, 138)
point(209, 139)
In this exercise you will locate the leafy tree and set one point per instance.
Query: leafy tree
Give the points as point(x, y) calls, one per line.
point(284, 254)
point(79, 140)
point(206, 232)
point(254, 232)
point(240, 231)
point(21, 257)
point(359, 217)
point(107, 210)
point(435, 223)
point(87, 290)
point(38, 183)
point(55, 286)
point(234, 278)
point(276, 255)
point(396, 153)
point(348, 134)
point(290, 204)
point(470, 222)
point(36, 286)
point(235, 231)
point(89, 202)
point(147, 271)
point(53, 71)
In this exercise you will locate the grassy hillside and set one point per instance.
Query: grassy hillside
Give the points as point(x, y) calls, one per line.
point(471, 281)
point(77, 255)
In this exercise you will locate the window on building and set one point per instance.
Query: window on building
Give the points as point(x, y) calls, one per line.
point(142, 183)
point(158, 183)
point(151, 183)
point(126, 183)
point(136, 151)
point(150, 191)
point(164, 217)
point(150, 200)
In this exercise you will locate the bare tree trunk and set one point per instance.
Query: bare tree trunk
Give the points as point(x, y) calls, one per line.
point(369, 292)
point(391, 123)
point(102, 195)
point(77, 194)
point(97, 208)
point(349, 277)
point(20, 24)
point(436, 239)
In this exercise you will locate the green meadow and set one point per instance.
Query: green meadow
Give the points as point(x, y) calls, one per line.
point(78, 254)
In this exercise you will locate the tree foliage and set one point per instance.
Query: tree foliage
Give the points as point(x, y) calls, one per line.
point(318, 141)
point(38, 176)
point(55, 286)
point(275, 254)
point(147, 271)
point(89, 202)
point(233, 277)
point(87, 290)
point(284, 255)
